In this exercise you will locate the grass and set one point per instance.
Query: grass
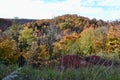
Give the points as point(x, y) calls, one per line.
point(6, 70)
point(96, 72)
point(88, 73)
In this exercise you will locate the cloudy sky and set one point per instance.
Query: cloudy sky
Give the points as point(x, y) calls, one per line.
point(42, 9)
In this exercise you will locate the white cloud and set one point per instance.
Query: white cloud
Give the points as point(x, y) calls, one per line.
point(38, 9)
point(110, 3)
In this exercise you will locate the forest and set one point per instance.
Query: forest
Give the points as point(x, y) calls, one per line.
point(67, 47)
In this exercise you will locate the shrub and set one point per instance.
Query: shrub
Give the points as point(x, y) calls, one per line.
point(72, 61)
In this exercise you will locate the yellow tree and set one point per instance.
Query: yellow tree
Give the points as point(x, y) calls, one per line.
point(85, 41)
point(113, 39)
point(27, 33)
point(99, 38)
point(7, 51)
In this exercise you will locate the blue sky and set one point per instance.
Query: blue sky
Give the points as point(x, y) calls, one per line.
point(53, 1)
point(44, 9)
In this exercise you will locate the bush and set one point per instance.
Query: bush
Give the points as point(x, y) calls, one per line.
point(72, 61)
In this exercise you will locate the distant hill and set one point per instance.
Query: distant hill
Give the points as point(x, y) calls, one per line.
point(64, 22)
point(5, 23)
point(68, 23)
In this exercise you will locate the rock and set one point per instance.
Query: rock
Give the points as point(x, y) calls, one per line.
point(12, 75)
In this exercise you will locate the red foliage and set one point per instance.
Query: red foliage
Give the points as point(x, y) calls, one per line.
point(72, 61)
point(76, 61)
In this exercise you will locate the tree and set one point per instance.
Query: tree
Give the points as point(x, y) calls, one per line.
point(113, 40)
point(15, 31)
point(23, 45)
point(7, 51)
point(99, 39)
point(65, 25)
point(68, 44)
point(85, 41)
point(27, 34)
point(50, 38)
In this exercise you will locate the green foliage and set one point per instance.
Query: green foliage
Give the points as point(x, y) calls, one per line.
point(15, 27)
point(27, 33)
point(85, 42)
point(23, 45)
point(71, 47)
point(65, 25)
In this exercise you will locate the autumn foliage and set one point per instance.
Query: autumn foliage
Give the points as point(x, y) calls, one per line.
point(72, 61)
point(70, 36)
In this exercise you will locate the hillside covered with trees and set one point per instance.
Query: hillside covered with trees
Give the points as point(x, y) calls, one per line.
point(51, 42)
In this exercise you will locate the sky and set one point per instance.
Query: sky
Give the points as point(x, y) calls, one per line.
point(46, 9)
